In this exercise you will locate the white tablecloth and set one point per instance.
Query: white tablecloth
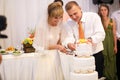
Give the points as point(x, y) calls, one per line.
point(18, 67)
point(23, 67)
point(66, 62)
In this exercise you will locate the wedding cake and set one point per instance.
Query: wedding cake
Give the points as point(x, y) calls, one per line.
point(83, 65)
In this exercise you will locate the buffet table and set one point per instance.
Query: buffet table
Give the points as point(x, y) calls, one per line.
point(23, 67)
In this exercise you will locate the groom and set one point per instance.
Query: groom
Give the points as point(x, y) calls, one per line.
point(93, 32)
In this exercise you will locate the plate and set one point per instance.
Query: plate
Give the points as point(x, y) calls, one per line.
point(3, 52)
point(17, 53)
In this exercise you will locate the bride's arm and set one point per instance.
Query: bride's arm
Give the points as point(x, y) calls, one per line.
point(58, 47)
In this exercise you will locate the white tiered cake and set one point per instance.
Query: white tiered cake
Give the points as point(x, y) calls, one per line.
point(83, 67)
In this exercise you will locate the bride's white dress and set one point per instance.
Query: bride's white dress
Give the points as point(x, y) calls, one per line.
point(49, 65)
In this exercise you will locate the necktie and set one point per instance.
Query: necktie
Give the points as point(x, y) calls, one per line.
point(81, 32)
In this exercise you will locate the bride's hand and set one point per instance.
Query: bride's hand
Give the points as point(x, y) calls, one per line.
point(72, 46)
point(61, 48)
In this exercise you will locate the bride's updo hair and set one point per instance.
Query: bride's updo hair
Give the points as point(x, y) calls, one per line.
point(55, 10)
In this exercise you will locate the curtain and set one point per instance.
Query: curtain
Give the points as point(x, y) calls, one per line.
point(21, 15)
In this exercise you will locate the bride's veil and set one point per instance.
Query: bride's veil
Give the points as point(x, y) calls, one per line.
point(41, 33)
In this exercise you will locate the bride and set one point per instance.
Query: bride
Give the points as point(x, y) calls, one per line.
point(50, 34)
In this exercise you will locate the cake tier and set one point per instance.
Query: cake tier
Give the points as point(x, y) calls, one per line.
point(84, 49)
point(89, 76)
point(83, 65)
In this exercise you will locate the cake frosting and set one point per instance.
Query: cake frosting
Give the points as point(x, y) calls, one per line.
point(83, 65)
point(89, 76)
point(84, 49)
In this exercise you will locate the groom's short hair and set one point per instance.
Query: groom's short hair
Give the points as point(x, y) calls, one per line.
point(70, 4)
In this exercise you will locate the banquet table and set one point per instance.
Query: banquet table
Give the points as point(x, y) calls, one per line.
point(23, 67)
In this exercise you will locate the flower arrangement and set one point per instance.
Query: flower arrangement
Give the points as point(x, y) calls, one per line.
point(27, 45)
point(30, 38)
point(28, 41)
point(31, 32)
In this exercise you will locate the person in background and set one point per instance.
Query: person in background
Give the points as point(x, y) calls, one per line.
point(0, 63)
point(65, 15)
point(93, 32)
point(110, 43)
point(49, 35)
point(60, 1)
point(116, 16)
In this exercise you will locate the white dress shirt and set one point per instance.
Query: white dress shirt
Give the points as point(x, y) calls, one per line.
point(93, 28)
point(116, 17)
